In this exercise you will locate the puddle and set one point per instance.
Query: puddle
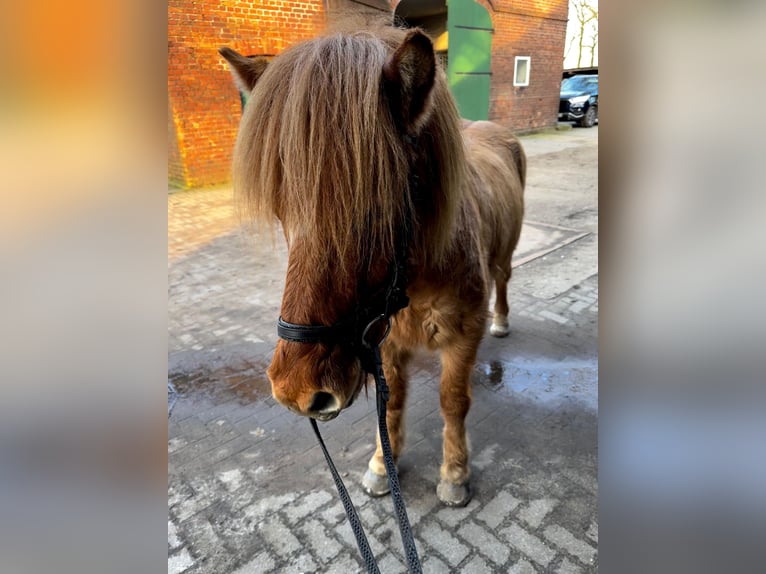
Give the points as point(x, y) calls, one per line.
point(247, 384)
point(543, 381)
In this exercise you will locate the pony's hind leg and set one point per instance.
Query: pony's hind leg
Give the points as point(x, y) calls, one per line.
point(395, 360)
point(455, 396)
point(500, 326)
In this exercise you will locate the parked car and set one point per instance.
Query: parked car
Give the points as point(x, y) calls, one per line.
point(579, 100)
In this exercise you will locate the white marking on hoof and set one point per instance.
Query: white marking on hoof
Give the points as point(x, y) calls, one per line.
point(453, 494)
point(375, 484)
point(499, 330)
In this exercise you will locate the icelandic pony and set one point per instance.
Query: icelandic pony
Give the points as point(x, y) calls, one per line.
point(334, 130)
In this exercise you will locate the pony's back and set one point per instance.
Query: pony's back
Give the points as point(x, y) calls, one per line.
point(497, 175)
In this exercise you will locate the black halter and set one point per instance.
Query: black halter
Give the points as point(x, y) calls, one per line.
point(364, 331)
point(368, 325)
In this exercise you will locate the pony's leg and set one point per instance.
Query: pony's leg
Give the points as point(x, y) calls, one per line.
point(455, 396)
point(500, 326)
point(395, 360)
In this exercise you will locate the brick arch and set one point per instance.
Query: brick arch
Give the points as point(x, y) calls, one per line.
point(489, 5)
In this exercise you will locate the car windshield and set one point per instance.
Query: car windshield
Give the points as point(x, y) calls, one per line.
point(579, 83)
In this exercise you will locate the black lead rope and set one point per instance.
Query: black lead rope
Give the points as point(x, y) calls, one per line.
point(355, 331)
point(353, 517)
point(408, 542)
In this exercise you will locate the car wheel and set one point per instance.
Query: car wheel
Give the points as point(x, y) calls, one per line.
point(590, 117)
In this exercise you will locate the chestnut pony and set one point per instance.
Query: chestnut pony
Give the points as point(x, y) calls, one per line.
point(334, 131)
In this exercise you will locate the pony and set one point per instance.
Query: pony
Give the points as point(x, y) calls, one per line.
point(335, 130)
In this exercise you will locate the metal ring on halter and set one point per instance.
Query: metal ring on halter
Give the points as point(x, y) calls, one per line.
point(375, 322)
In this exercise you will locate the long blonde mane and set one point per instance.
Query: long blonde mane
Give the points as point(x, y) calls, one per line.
point(318, 148)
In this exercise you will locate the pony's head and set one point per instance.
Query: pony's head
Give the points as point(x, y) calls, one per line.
point(329, 138)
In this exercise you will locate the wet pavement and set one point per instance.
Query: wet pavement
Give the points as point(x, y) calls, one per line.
point(248, 490)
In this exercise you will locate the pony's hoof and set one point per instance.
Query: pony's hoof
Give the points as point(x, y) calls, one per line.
point(499, 330)
point(375, 484)
point(453, 494)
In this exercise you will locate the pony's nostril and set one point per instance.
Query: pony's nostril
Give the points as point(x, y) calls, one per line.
point(323, 403)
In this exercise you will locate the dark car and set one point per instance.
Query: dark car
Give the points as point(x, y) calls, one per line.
point(579, 100)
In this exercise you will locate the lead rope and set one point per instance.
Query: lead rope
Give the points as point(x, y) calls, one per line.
point(413, 562)
point(396, 299)
point(408, 542)
point(353, 517)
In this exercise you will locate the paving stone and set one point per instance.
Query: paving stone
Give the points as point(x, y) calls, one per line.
point(496, 510)
point(173, 540)
point(333, 514)
point(485, 541)
point(308, 504)
point(477, 566)
point(522, 567)
point(592, 532)
point(280, 537)
point(390, 563)
point(261, 564)
point(454, 516)
point(554, 317)
point(566, 567)
point(579, 306)
point(302, 563)
point(344, 564)
point(322, 545)
point(191, 506)
point(178, 491)
point(528, 544)
point(176, 443)
point(267, 506)
point(231, 479)
point(536, 511)
point(562, 538)
point(441, 541)
point(434, 565)
point(180, 562)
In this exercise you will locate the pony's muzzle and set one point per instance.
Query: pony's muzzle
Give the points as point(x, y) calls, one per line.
point(321, 405)
point(324, 406)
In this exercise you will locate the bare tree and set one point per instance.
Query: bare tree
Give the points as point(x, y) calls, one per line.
point(586, 18)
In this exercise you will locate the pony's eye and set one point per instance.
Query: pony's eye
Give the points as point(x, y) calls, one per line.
point(376, 331)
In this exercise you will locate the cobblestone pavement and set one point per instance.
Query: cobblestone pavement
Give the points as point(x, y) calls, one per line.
point(248, 491)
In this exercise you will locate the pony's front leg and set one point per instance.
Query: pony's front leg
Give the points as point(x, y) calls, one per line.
point(395, 360)
point(455, 395)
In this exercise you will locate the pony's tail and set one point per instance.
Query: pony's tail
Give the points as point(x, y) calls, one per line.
point(520, 159)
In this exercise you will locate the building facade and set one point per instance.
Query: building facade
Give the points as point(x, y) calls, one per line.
point(504, 61)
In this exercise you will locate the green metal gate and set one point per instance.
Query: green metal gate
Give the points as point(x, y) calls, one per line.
point(468, 66)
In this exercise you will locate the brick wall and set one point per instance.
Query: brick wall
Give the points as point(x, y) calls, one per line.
point(203, 104)
point(537, 30)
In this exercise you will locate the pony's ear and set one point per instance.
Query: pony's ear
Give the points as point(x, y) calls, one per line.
point(246, 70)
point(408, 76)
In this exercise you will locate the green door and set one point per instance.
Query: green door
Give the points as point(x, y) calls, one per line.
point(468, 64)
